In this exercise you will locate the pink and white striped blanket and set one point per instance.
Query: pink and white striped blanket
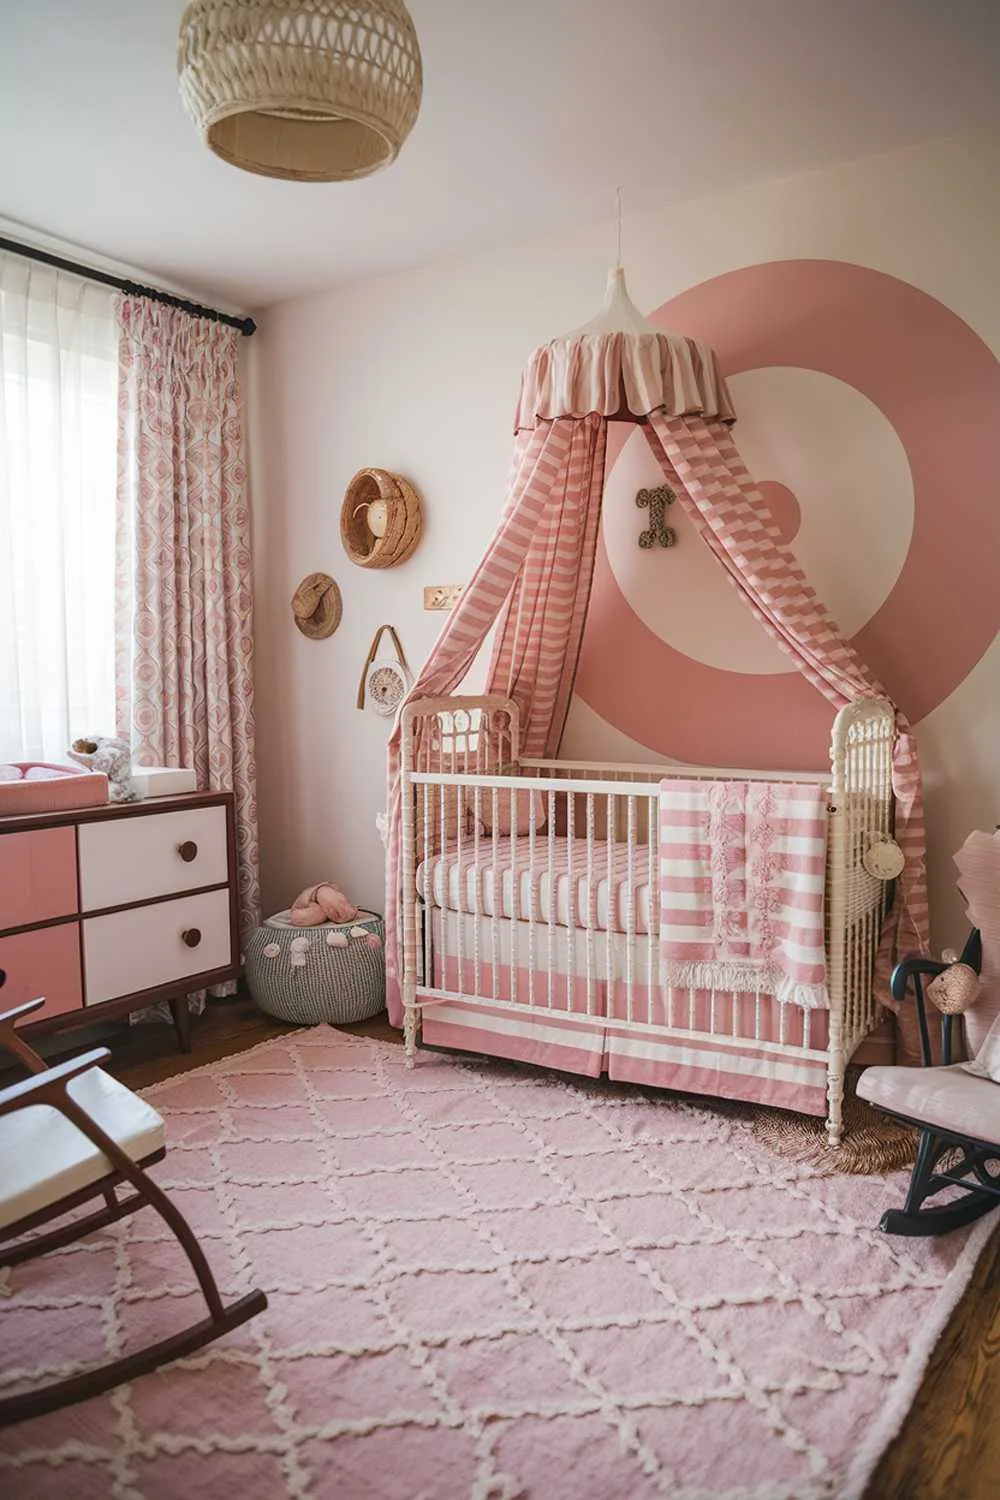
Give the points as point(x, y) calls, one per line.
point(742, 880)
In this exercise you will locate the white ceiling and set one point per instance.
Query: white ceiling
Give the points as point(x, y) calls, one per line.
point(533, 111)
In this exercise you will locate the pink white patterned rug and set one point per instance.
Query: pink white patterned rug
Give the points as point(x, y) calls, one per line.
point(486, 1284)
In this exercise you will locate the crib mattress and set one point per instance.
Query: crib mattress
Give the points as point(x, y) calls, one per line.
point(547, 890)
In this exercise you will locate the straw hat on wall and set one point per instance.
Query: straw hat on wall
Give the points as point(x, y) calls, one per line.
point(316, 606)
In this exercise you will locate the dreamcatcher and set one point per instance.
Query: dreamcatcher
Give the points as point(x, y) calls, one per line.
point(385, 680)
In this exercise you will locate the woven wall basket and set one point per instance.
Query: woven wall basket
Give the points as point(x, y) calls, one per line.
point(398, 507)
point(310, 90)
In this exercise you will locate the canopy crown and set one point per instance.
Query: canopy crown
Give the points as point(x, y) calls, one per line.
point(622, 367)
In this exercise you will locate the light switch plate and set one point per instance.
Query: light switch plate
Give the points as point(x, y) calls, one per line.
point(442, 595)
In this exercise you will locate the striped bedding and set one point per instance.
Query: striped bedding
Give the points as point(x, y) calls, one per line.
point(730, 1065)
point(669, 1047)
point(546, 888)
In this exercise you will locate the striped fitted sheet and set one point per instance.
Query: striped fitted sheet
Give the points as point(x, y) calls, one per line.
point(456, 882)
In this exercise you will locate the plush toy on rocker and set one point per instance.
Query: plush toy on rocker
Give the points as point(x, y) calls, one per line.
point(321, 903)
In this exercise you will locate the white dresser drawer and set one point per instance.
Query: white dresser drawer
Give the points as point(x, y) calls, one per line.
point(129, 951)
point(152, 854)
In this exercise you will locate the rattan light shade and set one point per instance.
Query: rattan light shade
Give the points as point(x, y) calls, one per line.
point(312, 90)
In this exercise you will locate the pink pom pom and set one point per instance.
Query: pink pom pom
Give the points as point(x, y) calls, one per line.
point(374, 941)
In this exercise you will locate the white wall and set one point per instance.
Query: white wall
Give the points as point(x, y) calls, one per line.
point(419, 372)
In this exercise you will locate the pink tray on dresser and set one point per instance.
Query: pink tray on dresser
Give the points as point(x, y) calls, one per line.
point(71, 788)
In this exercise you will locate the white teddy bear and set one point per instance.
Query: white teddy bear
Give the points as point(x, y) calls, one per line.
point(114, 758)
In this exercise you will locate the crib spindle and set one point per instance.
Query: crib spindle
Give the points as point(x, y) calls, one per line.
point(461, 874)
point(591, 893)
point(652, 889)
point(573, 917)
point(550, 798)
point(477, 894)
point(630, 842)
point(431, 879)
point(495, 898)
point(532, 896)
point(611, 913)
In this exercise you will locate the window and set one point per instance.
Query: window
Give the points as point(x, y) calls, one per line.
point(58, 436)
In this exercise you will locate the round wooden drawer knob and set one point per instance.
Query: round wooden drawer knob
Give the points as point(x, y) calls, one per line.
point(191, 938)
point(188, 851)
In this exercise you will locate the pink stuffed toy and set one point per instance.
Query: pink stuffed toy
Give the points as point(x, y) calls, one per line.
point(321, 903)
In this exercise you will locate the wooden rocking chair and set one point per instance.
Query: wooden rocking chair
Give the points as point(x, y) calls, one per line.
point(67, 1134)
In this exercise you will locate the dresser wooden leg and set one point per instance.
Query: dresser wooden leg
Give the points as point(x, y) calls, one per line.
point(182, 1022)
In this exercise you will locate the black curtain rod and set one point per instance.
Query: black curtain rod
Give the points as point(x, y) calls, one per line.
point(246, 326)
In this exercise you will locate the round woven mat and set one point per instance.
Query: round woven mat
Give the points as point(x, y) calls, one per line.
point(871, 1144)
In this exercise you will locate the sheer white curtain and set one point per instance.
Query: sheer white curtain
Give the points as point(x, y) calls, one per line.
point(58, 435)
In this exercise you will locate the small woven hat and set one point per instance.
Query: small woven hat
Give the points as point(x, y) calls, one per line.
point(316, 606)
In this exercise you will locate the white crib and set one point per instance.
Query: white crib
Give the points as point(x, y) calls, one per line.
point(529, 900)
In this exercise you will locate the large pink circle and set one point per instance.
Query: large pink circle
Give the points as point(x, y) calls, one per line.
point(938, 384)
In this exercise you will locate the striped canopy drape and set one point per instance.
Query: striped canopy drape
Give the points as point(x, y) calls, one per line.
point(536, 576)
point(703, 464)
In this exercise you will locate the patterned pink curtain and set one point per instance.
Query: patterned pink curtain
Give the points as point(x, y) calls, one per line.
point(537, 573)
point(731, 516)
point(185, 644)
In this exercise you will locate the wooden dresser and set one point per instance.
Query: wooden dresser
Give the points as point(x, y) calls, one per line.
point(106, 909)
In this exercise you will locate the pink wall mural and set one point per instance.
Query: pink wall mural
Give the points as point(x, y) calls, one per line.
point(903, 408)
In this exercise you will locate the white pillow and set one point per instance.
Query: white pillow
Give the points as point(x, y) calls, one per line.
point(986, 1063)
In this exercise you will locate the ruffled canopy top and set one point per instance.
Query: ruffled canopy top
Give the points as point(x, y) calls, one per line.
point(622, 376)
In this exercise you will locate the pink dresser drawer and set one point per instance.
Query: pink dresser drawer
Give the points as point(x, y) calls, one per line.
point(37, 876)
point(46, 962)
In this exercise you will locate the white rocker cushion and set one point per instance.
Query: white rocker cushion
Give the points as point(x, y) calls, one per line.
point(44, 1157)
point(949, 1097)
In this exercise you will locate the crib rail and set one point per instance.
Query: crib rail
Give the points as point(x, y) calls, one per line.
point(601, 770)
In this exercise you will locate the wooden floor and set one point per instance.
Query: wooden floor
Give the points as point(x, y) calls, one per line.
point(142, 1055)
point(949, 1447)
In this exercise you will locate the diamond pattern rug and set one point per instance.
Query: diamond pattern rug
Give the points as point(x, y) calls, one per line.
point(484, 1285)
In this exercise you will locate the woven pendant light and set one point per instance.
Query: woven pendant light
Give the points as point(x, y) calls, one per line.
point(311, 90)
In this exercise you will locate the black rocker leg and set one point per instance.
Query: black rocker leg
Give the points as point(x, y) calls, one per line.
point(941, 1219)
point(915, 1220)
point(927, 1155)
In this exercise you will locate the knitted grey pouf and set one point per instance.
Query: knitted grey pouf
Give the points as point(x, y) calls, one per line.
point(313, 974)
